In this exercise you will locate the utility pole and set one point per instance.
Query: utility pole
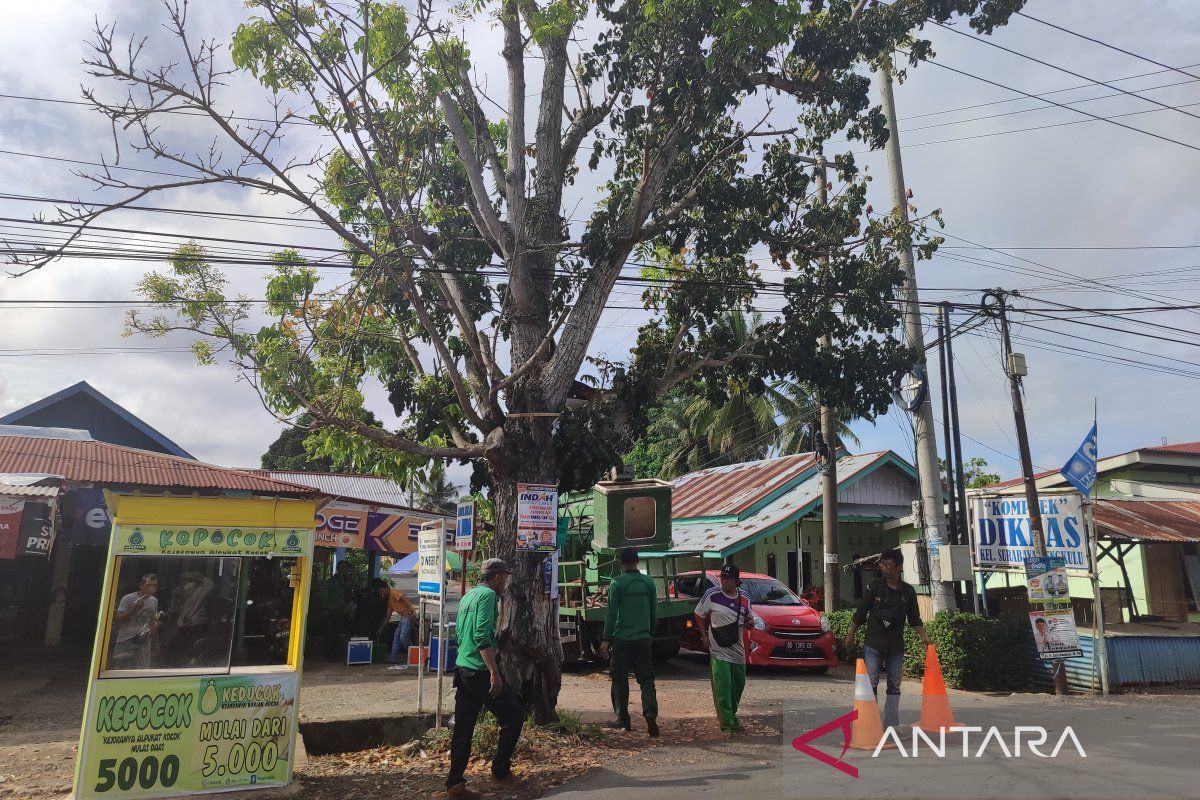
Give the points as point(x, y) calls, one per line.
point(964, 524)
point(943, 337)
point(933, 515)
point(829, 441)
point(1015, 368)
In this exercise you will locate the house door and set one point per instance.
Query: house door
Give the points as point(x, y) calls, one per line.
point(793, 571)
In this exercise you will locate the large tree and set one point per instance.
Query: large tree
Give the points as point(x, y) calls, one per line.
point(484, 230)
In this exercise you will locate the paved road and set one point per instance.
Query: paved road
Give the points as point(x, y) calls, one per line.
point(1136, 746)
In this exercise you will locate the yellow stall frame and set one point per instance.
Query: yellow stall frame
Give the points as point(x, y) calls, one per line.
point(195, 673)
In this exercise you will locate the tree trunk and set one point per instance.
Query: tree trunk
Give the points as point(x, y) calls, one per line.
point(530, 650)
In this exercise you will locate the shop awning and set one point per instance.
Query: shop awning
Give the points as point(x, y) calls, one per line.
point(1148, 520)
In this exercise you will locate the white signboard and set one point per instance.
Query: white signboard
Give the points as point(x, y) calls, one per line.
point(537, 517)
point(1003, 539)
point(431, 560)
point(464, 528)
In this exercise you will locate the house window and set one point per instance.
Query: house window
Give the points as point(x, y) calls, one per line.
point(858, 579)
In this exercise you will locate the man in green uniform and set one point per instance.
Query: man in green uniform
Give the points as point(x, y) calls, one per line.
point(628, 635)
point(478, 684)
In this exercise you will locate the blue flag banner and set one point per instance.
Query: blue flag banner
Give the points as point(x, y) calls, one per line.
point(1080, 470)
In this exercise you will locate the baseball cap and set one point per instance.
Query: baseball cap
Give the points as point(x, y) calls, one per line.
point(491, 566)
point(629, 555)
point(731, 571)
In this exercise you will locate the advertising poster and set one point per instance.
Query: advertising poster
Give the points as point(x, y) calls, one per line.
point(1046, 580)
point(1003, 539)
point(1054, 634)
point(158, 737)
point(431, 562)
point(10, 526)
point(464, 528)
point(537, 517)
point(37, 530)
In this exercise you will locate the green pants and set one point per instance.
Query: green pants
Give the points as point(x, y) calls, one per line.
point(728, 681)
point(632, 656)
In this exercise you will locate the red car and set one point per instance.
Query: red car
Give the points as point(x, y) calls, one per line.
point(796, 634)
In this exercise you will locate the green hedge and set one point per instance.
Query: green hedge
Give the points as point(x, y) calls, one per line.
point(976, 653)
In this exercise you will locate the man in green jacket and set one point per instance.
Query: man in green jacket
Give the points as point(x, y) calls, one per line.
point(628, 635)
point(478, 684)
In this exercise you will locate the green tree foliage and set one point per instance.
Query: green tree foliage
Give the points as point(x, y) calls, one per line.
point(473, 280)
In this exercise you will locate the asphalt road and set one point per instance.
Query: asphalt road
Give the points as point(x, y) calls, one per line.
point(1139, 746)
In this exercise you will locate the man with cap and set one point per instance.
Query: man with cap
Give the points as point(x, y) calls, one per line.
point(724, 613)
point(628, 636)
point(479, 685)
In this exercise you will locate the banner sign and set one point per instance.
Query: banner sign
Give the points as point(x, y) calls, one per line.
point(464, 528)
point(37, 530)
point(153, 540)
point(341, 525)
point(165, 736)
point(537, 517)
point(431, 562)
point(1046, 580)
point(1003, 539)
point(90, 520)
point(1055, 634)
point(11, 510)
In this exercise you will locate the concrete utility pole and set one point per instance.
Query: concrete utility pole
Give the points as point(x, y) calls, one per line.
point(829, 439)
point(933, 514)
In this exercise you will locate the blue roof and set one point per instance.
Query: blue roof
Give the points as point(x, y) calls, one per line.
point(39, 412)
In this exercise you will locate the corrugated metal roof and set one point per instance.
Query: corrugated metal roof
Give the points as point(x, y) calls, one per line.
point(100, 462)
point(796, 501)
point(1149, 520)
point(729, 491)
point(17, 490)
point(1190, 448)
point(341, 485)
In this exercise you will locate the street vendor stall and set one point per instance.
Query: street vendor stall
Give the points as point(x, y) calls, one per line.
point(195, 672)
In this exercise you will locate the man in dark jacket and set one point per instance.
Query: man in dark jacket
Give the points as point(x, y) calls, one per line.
point(886, 605)
point(629, 637)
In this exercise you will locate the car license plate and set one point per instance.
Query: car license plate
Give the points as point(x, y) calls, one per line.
point(799, 647)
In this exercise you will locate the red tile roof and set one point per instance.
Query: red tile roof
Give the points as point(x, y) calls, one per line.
point(728, 491)
point(1190, 448)
point(1149, 520)
point(100, 462)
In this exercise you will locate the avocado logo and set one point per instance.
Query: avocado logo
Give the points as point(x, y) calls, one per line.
point(293, 541)
point(136, 540)
point(208, 698)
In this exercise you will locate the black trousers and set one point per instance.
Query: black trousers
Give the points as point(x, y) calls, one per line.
point(472, 695)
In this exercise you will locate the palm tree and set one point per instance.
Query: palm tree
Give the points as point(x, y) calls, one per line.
point(749, 425)
point(431, 490)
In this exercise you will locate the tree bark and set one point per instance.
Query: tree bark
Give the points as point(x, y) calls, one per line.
point(530, 650)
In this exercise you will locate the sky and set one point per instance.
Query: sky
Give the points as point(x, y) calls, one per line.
point(1035, 198)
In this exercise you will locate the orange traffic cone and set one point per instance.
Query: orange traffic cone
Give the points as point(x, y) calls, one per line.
point(936, 714)
point(868, 727)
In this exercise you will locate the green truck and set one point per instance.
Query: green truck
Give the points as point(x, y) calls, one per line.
point(613, 515)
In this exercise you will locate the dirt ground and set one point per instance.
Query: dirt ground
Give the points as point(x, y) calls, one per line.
point(41, 706)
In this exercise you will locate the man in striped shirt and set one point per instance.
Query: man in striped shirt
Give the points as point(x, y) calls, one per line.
point(724, 615)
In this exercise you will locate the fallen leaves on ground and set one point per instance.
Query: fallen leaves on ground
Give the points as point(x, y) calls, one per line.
point(546, 758)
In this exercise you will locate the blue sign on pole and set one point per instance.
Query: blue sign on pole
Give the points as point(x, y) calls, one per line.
point(464, 527)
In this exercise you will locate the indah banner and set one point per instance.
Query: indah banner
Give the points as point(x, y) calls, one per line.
point(1003, 538)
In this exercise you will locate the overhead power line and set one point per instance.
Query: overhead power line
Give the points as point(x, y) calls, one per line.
point(1138, 56)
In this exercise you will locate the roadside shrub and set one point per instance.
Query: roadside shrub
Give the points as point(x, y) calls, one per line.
point(976, 653)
